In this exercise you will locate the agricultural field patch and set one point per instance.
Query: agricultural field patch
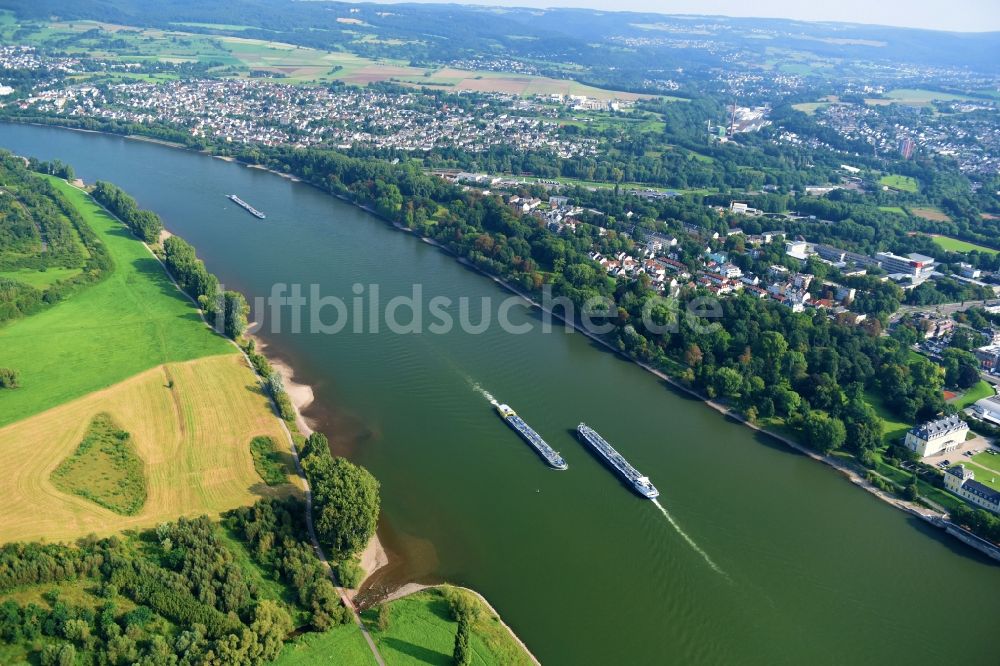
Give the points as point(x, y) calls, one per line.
point(930, 213)
point(190, 424)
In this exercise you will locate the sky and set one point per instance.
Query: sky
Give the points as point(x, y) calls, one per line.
point(954, 15)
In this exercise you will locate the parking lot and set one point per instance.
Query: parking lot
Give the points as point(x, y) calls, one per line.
point(959, 455)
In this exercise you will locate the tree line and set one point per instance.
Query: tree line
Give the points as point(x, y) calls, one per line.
point(193, 600)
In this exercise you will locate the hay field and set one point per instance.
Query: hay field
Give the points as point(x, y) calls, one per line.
point(194, 440)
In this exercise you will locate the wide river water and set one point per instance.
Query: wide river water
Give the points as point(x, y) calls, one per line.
point(762, 556)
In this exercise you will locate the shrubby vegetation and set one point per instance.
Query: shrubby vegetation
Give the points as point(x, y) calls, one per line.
point(228, 310)
point(267, 461)
point(9, 378)
point(105, 469)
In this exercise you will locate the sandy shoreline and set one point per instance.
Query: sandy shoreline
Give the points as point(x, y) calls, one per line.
point(374, 556)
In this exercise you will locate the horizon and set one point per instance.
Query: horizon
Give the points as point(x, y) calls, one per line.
point(962, 16)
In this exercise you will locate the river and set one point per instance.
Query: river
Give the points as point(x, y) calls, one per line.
point(764, 556)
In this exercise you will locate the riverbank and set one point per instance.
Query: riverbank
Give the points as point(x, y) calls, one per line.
point(412, 589)
point(937, 519)
point(374, 556)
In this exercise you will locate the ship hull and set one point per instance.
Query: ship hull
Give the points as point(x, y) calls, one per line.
point(616, 463)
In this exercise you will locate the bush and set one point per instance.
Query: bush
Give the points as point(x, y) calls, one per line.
point(9, 378)
point(349, 573)
point(267, 461)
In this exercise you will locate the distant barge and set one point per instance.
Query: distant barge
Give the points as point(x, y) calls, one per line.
point(531, 437)
point(641, 484)
point(247, 207)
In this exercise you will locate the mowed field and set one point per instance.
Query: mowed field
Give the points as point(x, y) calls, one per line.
point(193, 437)
point(133, 320)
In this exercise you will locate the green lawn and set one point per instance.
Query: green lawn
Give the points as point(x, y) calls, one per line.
point(978, 392)
point(901, 183)
point(421, 631)
point(343, 646)
point(956, 245)
point(892, 427)
point(40, 279)
point(988, 460)
point(989, 478)
point(133, 320)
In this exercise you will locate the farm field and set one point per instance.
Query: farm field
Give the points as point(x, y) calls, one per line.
point(901, 183)
point(237, 56)
point(422, 631)
point(930, 213)
point(892, 209)
point(956, 245)
point(810, 108)
point(133, 320)
point(915, 97)
point(191, 424)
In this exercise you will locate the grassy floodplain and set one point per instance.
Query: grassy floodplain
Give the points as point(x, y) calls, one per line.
point(133, 320)
point(133, 347)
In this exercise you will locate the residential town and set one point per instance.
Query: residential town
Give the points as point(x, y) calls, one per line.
point(267, 113)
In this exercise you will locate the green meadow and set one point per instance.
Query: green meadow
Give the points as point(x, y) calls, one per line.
point(422, 631)
point(133, 320)
point(343, 644)
point(901, 183)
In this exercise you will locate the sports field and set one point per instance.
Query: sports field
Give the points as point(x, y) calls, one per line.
point(956, 245)
point(133, 320)
point(191, 424)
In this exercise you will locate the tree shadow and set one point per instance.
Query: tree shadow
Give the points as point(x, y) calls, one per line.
point(421, 654)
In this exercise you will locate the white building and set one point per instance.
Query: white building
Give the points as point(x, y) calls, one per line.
point(962, 482)
point(915, 265)
point(987, 409)
point(934, 437)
